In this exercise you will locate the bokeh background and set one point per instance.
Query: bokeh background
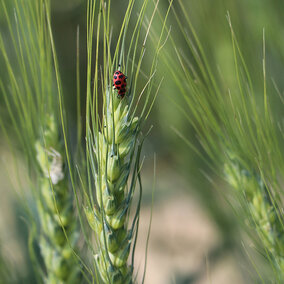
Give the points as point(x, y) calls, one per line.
point(195, 237)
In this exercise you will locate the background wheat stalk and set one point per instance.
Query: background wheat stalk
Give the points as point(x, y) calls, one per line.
point(30, 90)
point(238, 133)
point(56, 212)
point(261, 206)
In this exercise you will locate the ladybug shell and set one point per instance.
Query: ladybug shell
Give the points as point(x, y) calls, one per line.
point(119, 83)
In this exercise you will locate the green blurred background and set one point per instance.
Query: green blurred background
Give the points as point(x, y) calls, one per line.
point(195, 237)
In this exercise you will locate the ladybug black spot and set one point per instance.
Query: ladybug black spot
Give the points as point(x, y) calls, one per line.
point(117, 72)
point(123, 86)
point(115, 77)
point(117, 82)
point(120, 76)
point(124, 81)
point(118, 87)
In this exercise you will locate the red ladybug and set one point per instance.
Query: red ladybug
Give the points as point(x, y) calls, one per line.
point(119, 83)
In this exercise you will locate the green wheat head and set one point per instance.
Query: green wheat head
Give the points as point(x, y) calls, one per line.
point(114, 150)
point(114, 139)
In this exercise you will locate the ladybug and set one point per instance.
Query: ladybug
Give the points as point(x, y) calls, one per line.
point(119, 83)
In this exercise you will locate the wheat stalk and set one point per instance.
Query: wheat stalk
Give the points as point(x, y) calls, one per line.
point(261, 207)
point(55, 208)
point(32, 107)
point(236, 133)
point(113, 150)
point(114, 138)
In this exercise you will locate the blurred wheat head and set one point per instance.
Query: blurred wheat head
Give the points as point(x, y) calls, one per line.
point(32, 128)
point(239, 137)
